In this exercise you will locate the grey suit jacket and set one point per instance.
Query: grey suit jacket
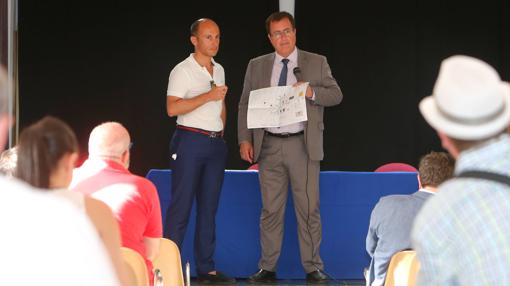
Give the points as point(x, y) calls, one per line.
point(316, 71)
point(390, 230)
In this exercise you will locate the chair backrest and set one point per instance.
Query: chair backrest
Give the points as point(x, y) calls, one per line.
point(137, 269)
point(254, 167)
point(403, 269)
point(168, 262)
point(396, 167)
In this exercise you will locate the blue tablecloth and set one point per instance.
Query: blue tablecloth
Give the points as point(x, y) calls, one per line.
point(347, 199)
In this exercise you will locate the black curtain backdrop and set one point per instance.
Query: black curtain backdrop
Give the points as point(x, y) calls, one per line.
point(88, 62)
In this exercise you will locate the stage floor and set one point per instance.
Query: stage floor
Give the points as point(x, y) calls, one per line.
point(242, 282)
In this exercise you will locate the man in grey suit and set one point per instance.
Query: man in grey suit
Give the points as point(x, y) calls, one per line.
point(392, 217)
point(288, 153)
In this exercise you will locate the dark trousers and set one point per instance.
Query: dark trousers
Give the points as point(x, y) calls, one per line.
point(198, 166)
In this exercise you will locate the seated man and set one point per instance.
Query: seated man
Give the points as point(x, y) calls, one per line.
point(393, 216)
point(133, 199)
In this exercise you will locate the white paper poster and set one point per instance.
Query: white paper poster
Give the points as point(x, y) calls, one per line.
point(277, 106)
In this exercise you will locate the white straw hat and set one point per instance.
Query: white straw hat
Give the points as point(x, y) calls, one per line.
point(469, 100)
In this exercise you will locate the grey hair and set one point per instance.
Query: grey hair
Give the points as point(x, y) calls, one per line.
point(109, 139)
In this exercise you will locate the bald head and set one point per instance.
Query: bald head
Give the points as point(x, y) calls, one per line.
point(195, 26)
point(110, 140)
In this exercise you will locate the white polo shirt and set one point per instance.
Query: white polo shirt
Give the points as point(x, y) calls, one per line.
point(189, 79)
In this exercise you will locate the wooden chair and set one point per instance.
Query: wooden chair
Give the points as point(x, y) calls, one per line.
point(168, 262)
point(137, 269)
point(403, 269)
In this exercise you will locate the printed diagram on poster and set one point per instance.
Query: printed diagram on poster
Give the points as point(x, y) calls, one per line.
point(277, 106)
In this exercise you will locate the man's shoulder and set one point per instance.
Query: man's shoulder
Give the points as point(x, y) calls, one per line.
point(218, 65)
point(402, 200)
point(183, 65)
point(127, 177)
point(142, 181)
point(262, 58)
point(109, 175)
point(143, 185)
point(394, 199)
point(310, 55)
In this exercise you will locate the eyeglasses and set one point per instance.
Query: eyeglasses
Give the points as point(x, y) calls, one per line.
point(287, 32)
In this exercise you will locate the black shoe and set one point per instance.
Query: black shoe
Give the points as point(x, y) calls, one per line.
point(262, 277)
point(317, 277)
point(219, 278)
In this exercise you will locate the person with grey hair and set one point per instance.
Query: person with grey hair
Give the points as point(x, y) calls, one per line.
point(133, 199)
point(44, 235)
point(8, 160)
point(110, 140)
point(461, 234)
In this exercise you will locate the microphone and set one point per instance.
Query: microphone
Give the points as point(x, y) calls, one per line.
point(299, 78)
point(297, 74)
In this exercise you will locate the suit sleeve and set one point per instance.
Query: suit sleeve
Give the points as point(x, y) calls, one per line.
point(243, 133)
point(327, 91)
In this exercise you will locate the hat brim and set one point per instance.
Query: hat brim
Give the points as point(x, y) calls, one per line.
point(457, 130)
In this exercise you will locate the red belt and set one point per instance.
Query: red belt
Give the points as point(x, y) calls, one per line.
point(212, 134)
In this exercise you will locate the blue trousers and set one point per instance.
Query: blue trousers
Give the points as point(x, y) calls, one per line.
point(198, 167)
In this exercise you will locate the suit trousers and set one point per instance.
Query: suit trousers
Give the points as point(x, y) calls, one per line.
point(284, 160)
point(198, 167)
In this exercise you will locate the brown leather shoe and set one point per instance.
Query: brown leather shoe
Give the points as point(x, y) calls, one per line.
point(262, 277)
point(317, 277)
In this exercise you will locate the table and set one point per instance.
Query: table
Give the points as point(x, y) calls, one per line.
point(347, 199)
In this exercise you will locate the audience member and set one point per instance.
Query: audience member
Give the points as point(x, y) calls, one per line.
point(392, 217)
point(47, 152)
point(461, 234)
point(8, 160)
point(133, 199)
point(46, 240)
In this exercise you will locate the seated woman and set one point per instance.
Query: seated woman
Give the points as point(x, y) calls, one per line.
point(47, 153)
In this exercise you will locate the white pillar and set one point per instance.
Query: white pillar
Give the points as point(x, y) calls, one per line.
point(12, 68)
point(287, 6)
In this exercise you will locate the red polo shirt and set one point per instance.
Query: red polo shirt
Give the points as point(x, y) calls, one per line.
point(133, 199)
